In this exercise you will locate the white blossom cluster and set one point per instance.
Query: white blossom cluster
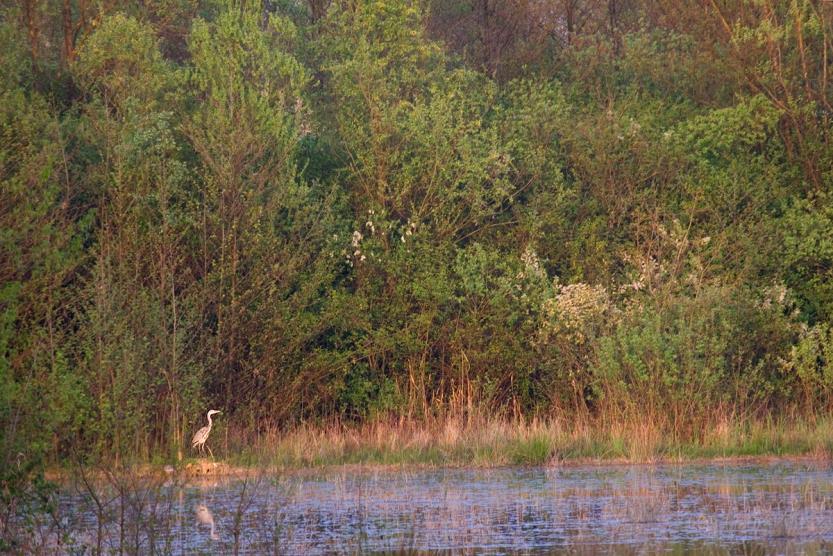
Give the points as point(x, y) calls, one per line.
point(778, 295)
point(302, 117)
point(356, 254)
point(656, 270)
point(634, 128)
point(357, 237)
point(574, 311)
point(410, 230)
point(532, 264)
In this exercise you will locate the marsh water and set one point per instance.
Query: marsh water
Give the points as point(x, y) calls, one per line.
point(776, 507)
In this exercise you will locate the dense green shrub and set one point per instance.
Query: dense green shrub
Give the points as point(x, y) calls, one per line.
point(720, 350)
point(810, 369)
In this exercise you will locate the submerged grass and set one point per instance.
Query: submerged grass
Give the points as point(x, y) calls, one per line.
point(492, 442)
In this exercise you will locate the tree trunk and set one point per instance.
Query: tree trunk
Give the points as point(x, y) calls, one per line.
point(30, 16)
point(66, 15)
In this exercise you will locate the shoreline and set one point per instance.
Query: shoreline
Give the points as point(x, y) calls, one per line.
point(484, 444)
point(224, 471)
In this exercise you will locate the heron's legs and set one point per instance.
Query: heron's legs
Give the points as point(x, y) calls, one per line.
point(209, 451)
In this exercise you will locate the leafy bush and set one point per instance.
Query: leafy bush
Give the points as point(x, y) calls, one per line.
point(810, 369)
point(681, 362)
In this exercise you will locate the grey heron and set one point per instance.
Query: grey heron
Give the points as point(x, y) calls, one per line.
point(202, 435)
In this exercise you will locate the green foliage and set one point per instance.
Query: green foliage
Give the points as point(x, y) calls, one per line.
point(366, 396)
point(41, 397)
point(385, 207)
point(423, 146)
point(810, 366)
point(120, 60)
point(268, 238)
point(808, 254)
point(536, 450)
point(16, 64)
point(720, 349)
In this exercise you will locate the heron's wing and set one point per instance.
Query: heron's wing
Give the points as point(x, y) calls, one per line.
point(200, 436)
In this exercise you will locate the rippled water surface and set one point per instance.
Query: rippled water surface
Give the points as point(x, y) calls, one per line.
point(781, 507)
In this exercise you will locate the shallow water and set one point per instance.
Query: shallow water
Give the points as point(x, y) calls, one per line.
point(782, 507)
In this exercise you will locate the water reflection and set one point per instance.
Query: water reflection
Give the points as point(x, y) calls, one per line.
point(205, 517)
point(777, 507)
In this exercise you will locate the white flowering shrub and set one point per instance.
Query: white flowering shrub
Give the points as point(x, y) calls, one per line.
point(576, 312)
point(571, 318)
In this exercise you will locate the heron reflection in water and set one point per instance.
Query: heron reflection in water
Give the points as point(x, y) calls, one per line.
point(205, 517)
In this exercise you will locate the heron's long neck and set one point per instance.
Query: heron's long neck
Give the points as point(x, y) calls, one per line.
point(209, 421)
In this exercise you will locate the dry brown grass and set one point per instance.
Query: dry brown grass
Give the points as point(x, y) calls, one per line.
point(483, 441)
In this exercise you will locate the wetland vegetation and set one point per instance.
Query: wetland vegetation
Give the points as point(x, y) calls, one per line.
point(468, 233)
